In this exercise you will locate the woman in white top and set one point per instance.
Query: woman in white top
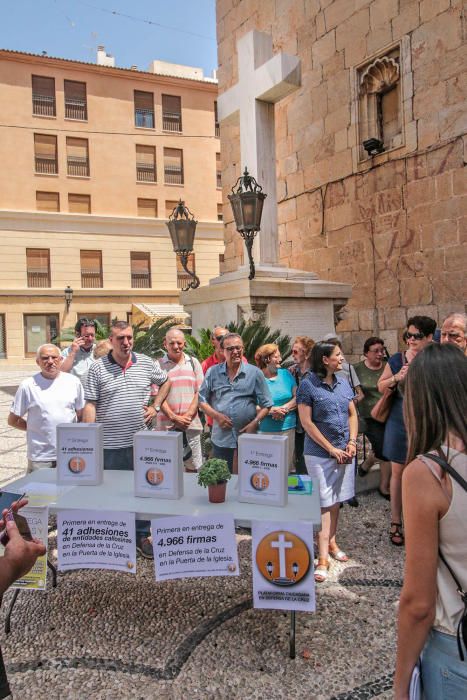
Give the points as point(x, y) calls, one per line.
point(435, 511)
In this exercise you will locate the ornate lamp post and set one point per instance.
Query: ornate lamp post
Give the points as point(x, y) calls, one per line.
point(247, 200)
point(68, 297)
point(182, 228)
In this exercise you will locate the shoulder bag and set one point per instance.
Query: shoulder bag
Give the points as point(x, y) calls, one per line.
point(382, 408)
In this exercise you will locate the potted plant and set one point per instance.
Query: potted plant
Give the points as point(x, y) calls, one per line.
point(214, 474)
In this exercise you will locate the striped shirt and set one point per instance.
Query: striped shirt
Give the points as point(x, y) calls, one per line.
point(329, 411)
point(120, 394)
point(185, 378)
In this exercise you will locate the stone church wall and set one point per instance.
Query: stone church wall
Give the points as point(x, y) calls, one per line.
point(392, 225)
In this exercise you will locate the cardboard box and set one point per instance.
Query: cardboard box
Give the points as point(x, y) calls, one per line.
point(80, 454)
point(158, 464)
point(263, 469)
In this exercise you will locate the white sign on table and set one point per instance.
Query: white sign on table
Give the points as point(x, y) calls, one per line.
point(38, 520)
point(283, 570)
point(194, 546)
point(96, 539)
point(80, 454)
point(263, 469)
point(158, 464)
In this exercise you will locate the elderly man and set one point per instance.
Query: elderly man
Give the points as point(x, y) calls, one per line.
point(454, 331)
point(78, 358)
point(230, 393)
point(180, 410)
point(116, 391)
point(49, 397)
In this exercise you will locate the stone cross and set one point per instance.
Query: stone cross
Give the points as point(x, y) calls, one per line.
point(282, 544)
point(263, 80)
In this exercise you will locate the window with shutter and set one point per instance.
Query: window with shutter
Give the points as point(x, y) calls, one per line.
point(145, 163)
point(218, 171)
point(173, 166)
point(171, 113)
point(79, 203)
point(76, 106)
point(220, 214)
point(47, 201)
point(147, 207)
point(144, 109)
point(43, 96)
point(77, 157)
point(45, 154)
point(2, 337)
point(217, 129)
point(91, 268)
point(38, 267)
point(170, 205)
point(140, 270)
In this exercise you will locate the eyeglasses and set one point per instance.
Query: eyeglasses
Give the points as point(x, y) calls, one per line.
point(234, 348)
point(414, 336)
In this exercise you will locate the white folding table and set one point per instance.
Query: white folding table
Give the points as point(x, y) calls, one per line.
point(116, 493)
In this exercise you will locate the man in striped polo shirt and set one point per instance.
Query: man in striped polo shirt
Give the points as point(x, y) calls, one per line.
point(180, 411)
point(116, 391)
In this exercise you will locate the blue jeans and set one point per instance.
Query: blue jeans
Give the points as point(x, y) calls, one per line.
point(444, 675)
point(122, 458)
point(226, 453)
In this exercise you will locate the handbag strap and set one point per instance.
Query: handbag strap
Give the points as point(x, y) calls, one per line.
point(444, 464)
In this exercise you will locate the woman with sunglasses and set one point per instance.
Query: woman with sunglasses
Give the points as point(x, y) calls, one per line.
point(435, 507)
point(419, 334)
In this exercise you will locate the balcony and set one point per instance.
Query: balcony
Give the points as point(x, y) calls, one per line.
point(144, 118)
point(145, 172)
point(46, 165)
point(140, 280)
point(91, 280)
point(171, 121)
point(43, 105)
point(76, 108)
point(183, 280)
point(38, 279)
point(78, 166)
point(173, 175)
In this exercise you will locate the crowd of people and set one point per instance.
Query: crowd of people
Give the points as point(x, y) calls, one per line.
point(321, 403)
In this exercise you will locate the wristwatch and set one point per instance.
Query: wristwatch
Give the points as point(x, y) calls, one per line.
point(157, 409)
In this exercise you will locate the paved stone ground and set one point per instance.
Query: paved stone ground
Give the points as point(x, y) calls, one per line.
point(104, 635)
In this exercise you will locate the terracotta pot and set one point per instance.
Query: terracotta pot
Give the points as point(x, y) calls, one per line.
point(216, 492)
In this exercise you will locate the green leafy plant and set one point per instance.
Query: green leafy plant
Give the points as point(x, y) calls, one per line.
point(201, 348)
point(213, 471)
point(150, 340)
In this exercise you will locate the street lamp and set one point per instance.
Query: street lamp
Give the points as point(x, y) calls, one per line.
point(68, 297)
point(182, 230)
point(247, 200)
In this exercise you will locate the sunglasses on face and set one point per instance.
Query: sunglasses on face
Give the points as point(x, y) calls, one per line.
point(414, 336)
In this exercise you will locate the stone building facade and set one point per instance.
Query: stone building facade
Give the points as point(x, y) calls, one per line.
point(94, 159)
point(388, 219)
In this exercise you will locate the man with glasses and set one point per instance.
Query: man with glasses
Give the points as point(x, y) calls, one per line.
point(454, 331)
point(230, 393)
point(78, 358)
point(49, 397)
point(117, 390)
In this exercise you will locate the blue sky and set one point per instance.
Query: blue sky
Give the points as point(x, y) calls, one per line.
point(74, 28)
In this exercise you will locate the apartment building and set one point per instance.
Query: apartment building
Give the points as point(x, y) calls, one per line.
point(94, 159)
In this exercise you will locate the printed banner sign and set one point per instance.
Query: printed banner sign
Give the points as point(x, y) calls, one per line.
point(38, 519)
point(158, 464)
point(80, 456)
point(283, 571)
point(96, 539)
point(263, 469)
point(190, 546)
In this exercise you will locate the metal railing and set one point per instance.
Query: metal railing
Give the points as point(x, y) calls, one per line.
point(171, 121)
point(76, 108)
point(91, 280)
point(46, 165)
point(144, 118)
point(173, 175)
point(38, 279)
point(145, 172)
point(141, 280)
point(78, 166)
point(43, 105)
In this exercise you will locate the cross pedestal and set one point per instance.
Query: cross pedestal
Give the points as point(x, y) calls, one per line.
point(295, 301)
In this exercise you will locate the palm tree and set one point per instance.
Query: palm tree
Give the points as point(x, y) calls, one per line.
point(150, 340)
point(202, 348)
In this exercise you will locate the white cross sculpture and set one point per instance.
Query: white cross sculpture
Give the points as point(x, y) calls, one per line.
point(282, 544)
point(263, 80)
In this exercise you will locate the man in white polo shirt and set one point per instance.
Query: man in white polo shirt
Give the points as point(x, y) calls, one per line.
point(49, 397)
